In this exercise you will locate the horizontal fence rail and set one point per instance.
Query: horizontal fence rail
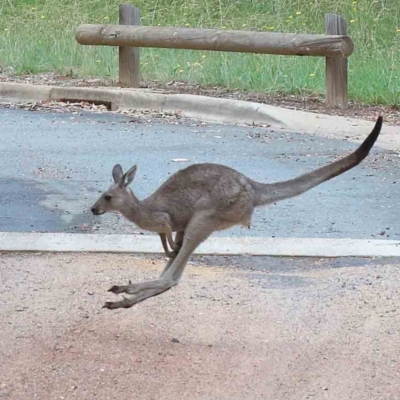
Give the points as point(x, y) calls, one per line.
point(289, 44)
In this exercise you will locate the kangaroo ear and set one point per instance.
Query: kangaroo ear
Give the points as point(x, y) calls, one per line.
point(130, 176)
point(117, 173)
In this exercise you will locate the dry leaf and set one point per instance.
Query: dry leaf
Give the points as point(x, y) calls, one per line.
point(180, 160)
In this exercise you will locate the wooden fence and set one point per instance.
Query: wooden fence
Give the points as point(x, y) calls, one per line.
point(335, 46)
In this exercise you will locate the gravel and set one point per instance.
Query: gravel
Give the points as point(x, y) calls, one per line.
point(251, 328)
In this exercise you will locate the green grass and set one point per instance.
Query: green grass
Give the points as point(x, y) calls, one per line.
point(38, 36)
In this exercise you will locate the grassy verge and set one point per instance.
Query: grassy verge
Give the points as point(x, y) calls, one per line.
point(38, 36)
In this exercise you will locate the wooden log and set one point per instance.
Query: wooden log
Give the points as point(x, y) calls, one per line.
point(336, 68)
point(129, 57)
point(217, 40)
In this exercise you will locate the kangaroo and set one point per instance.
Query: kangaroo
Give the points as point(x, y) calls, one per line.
point(198, 200)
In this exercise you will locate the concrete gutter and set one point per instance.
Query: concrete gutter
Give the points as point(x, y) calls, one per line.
point(207, 109)
point(65, 242)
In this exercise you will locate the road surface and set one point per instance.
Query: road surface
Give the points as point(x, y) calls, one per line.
point(54, 165)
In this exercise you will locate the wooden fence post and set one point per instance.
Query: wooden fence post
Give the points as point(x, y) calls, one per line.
point(336, 68)
point(129, 57)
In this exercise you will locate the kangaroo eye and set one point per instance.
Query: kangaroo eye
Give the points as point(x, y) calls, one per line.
point(107, 197)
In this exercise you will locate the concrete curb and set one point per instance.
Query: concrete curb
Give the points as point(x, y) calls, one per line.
point(64, 242)
point(208, 109)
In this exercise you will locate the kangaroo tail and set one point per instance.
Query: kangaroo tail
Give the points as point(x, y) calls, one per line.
point(270, 193)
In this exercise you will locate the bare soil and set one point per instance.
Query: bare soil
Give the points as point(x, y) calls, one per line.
point(305, 102)
point(235, 328)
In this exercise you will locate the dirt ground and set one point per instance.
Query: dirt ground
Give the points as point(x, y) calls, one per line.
point(235, 328)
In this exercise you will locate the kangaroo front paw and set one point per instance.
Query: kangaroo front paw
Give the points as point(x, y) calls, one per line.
point(172, 254)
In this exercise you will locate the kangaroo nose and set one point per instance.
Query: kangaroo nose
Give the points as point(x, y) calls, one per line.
point(93, 210)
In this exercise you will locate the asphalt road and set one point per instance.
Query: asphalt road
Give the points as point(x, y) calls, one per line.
point(54, 165)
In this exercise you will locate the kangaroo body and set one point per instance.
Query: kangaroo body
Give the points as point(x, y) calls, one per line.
point(201, 199)
point(201, 187)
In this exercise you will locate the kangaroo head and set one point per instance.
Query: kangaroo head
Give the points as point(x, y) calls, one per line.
point(118, 196)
